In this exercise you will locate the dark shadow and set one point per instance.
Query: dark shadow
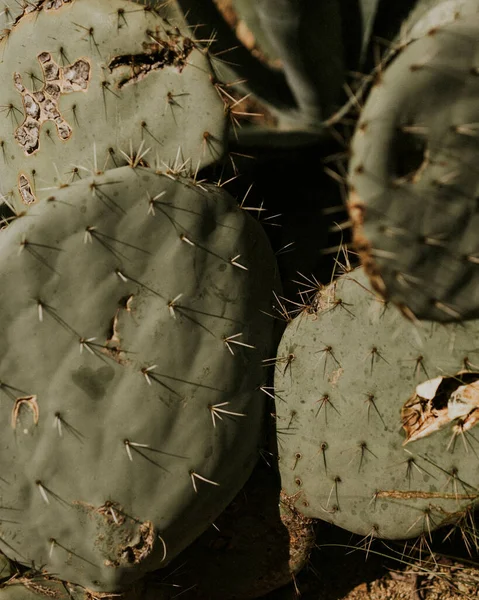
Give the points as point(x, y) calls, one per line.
point(293, 183)
point(245, 552)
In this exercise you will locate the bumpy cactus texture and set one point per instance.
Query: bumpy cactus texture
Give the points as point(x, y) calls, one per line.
point(88, 86)
point(133, 328)
point(413, 175)
point(361, 445)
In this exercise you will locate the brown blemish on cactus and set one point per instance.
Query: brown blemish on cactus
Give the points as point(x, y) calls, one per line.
point(114, 337)
point(25, 189)
point(440, 401)
point(113, 343)
point(171, 52)
point(136, 551)
point(357, 210)
point(334, 376)
point(122, 540)
point(54, 589)
point(45, 5)
point(410, 161)
point(36, 6)
point(29, 402)
point(54, 4)
point(419, 495)
point(112, 512)
point(42, 105)
point(359, 170)
point(300, 528)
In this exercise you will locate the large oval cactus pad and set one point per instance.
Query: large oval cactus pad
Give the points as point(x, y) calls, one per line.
point(132, 328)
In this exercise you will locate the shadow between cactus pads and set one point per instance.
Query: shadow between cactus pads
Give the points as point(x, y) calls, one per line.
point(376, 418)
point(133, 328)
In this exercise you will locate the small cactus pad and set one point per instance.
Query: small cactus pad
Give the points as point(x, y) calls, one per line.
point(375, 417)
point(133, 328)
point(413, 175)
point(89, 86)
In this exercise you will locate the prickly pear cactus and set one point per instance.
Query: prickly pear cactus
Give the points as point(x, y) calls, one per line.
point(414, 184)
point(133, 328)
point(89, 86)
point(376, 418)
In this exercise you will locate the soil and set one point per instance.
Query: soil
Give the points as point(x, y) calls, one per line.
point(384, 570)
point(256, 547)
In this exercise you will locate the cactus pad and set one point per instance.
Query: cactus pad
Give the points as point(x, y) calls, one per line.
point(376, 419)
point(133, 332)
point(414, 182)
point(90, 86)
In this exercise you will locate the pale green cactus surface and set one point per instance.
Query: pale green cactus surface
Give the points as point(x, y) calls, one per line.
point(133, 325)
point(376, 416)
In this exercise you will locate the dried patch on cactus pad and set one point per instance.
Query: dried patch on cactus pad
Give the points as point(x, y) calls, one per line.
point(42, 105)
point(27, 402)
point(138, 550)
point(25, 189)
point(440, 401)
point(161, 53)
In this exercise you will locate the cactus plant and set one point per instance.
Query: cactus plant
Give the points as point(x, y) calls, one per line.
point(89, 86)
point(133, 328)
point(375, 417)
point(316, 43)
point(413, 196)
point(302, 94)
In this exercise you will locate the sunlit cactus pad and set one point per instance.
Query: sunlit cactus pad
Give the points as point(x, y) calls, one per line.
point(133, 327)
point(377, 419)
point(88, 86)
point(413, 174)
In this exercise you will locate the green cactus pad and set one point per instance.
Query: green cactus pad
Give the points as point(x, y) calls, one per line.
point(347, 377)
point(89, 86)
point(413, 175)
point(133, 328)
